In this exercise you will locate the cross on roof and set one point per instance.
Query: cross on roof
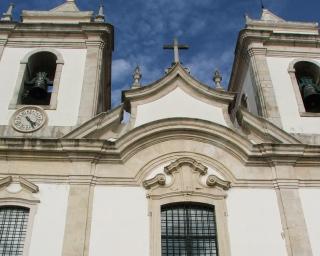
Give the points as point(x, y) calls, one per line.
point(176, 46)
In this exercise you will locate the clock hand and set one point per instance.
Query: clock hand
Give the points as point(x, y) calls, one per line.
point(30, 121)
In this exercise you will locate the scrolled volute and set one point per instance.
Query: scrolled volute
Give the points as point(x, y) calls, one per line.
point(159, 179)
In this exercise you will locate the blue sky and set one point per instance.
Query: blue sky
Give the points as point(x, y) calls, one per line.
point(209, 27)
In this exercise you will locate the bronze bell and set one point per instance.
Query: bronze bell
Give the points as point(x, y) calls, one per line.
point(311, 97)
point(38, 86)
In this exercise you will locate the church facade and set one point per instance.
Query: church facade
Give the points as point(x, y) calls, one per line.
point(195, 170)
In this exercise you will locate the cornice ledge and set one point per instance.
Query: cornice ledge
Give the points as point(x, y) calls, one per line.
point(33, 188)
point(258, 124)
point(177, 71)
point(213, 181)
point(5, 182)
point(101, 121)
point(196, 166)
point(159, 179)
point(25, 184)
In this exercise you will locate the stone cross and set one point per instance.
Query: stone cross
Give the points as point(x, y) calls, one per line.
point(176, 46)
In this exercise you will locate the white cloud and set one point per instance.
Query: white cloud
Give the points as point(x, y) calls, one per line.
point(120, 69)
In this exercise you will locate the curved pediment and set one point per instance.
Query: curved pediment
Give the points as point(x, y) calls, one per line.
point(154, 90)
point(177, 94)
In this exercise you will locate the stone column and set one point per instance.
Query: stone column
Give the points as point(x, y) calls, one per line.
point(262, 79)
point(292, 217)
point(91, 81)
point(78, 220)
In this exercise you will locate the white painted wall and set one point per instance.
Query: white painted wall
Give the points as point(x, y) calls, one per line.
point(178, 104)
point(254, 223)
point(49, 221)
point(286, 99)
point(69, 89)
point(311, 209)
point(119, 214)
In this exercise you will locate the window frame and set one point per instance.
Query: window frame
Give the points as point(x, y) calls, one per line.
point(23, 197)
point(14, 103)
point(295, 85)
point(213, 193)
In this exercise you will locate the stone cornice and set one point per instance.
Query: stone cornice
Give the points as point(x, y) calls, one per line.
point(147, 135)
point(213, 181)
point(99, 122)
point(250, 39)
point(264, 128)
point(196, 166)
point(71, 33)
point(25, 184)
point(177, 72)
point(159, 179)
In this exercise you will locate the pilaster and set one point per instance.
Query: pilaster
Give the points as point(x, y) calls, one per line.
point(292, 217)
point(77, 226)
point(268, 103)
point(91, 82)
point(3, 43)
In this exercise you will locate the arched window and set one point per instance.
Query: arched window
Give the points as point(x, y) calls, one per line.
point(38, 79)
point(13, 229)
point(307, 75)
point(188, 229)
point(187, 211)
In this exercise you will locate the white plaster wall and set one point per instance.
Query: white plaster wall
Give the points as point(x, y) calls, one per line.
point(254, 223)
point(311, 209)
point(178, 104)
point(249, 90)
point(69, 89)
point(49, 221)
point(286, 99)
point(119, 214)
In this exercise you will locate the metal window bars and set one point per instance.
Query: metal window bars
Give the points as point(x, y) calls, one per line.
point(188, 229)
point(13, 229)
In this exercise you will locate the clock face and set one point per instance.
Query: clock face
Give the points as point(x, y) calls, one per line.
point(28, 119)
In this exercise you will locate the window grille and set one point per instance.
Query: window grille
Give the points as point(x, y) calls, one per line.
point(188, 230)
point(13, 229)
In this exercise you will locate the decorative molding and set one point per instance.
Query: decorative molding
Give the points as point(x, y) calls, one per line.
point(213, 181)
point(197, 167)
point(263, 128)
point(5, 182)
point(33, 188)
point(104, 121)
point(25, 184)
point(159, 179)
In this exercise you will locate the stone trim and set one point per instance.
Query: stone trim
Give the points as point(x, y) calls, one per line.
point(78, 221)
point(186, 187)
point(262, 79)
point(104, 120)
point(22, 198)
point(91, 81)
point(213, 181)
point(22, 73)
point(159, 179)
point(265, 129)
point(152, 133)
point(295, 86)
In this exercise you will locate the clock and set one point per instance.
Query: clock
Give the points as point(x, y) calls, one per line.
point(28, 119)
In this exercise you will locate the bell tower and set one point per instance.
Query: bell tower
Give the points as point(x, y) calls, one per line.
point(276, 72)
point(56, 69)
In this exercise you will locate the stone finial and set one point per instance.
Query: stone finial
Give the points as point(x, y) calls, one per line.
point(217, 78)
point(136, 78)
point(7, 16)
point(100, 17)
